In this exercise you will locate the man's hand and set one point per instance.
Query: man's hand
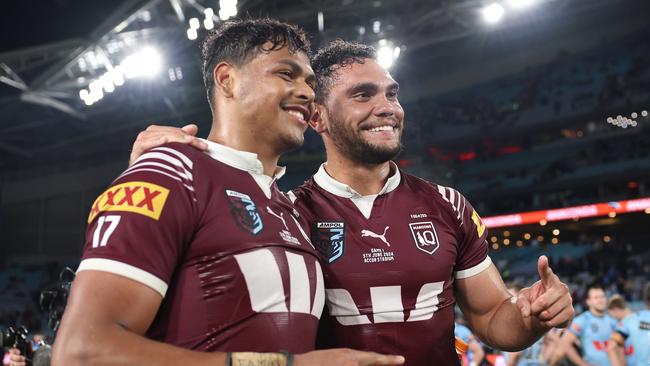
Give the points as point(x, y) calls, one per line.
point(346, 357)
point(155, 136)
point(16, 358)
point(548, 299)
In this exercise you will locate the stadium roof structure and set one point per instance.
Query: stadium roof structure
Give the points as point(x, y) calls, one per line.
point(48, 60)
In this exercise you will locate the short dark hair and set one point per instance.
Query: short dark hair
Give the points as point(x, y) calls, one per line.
point(646, 293)
point(593, 286)
point(336, 54)
point(237, 41)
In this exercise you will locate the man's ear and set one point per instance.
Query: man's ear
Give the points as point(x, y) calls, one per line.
point(224, 78)
point(316, 121)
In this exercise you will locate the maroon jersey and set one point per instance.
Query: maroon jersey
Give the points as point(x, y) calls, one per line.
point(390, 261)
point(219, 242)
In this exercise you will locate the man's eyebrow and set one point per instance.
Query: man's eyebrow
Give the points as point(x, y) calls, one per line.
point(363, 87)
point(394, 86)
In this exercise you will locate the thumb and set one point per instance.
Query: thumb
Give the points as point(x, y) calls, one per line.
point(190, 129)
point(545, 271)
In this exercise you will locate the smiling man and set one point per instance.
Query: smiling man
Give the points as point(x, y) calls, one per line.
point(397, 251)
point(188, 252)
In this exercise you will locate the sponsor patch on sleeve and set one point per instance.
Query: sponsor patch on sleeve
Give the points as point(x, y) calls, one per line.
point(138, 197)
point(480, 226)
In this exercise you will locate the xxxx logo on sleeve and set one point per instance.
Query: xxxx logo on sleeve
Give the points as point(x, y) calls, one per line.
point(139, 197)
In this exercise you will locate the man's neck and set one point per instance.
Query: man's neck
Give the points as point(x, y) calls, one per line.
point(365, 179)
point(597, 313)
point(245, 143)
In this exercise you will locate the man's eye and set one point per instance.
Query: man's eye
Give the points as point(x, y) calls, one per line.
point(286, 74)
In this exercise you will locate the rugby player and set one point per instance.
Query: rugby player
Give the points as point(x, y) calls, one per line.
point(188, 251)
point(397, 251)
point(632, 337)
point(590, 330)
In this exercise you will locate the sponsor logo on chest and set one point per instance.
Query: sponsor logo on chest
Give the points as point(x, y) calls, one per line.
point(329, 239)
point(425, 236)
point(244, 212)
point(377, 255)
point(285, 234)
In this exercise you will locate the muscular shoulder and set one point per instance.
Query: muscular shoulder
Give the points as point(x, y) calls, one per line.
point(446, 198)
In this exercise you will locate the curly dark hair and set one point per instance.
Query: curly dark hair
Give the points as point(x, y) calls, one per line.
point(338, 53)
point(238, 41)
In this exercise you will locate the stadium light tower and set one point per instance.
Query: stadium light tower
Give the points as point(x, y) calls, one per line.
point(493, 13)
point(145, 63)
point(387, 54)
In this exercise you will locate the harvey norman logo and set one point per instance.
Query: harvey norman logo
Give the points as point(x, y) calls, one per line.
point(138, 197)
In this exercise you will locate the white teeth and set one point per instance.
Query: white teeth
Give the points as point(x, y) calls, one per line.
point(297, 114)
point(381, 128)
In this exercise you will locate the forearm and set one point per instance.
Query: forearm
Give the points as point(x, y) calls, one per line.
point(573, 356)
point(116, 346)
point(506, 329)
point(616, 354)
point(513, 358)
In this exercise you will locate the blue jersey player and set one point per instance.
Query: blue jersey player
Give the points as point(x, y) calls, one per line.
point(633, 332)
point(592, 330)
point(475, 352)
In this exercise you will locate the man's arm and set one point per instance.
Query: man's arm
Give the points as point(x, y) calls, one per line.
point(104, 323)
point(513, 358)
point(508, 324)
point(107, 316)
point(567, 343)
point(616, 349)
point(477, 352)
point(155, 136)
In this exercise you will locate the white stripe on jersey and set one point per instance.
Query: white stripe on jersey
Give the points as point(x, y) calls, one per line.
point(178, 154)
point(169, 159)
point(455, 199)
point(124, 270)
point(156, 171)
point(151, 163)
point(443, 193)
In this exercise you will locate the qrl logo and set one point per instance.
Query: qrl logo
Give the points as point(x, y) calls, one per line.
point(386, 305)
point(425, 236)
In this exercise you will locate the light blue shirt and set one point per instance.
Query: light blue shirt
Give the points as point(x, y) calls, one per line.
point(594, 332)
point(635, 329)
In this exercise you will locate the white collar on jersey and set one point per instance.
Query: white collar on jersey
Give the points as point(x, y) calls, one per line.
point(246, 161)
point(343, 190)
point(363, 203)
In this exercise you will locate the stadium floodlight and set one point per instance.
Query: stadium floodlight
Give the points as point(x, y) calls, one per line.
point(208, 12)
point(521, 3)
point(117, 75)
point(376, 26)
point(192, 34)
point(644, 113)
point(321, 21)
point(83, 94)
point(194, 23)
point(145, 63)
point(493, 13)
point(227, 9)
point(208, 23)
point(387, 54)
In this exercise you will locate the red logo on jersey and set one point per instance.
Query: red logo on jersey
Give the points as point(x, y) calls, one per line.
point(425, 236)
point(139, 197)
